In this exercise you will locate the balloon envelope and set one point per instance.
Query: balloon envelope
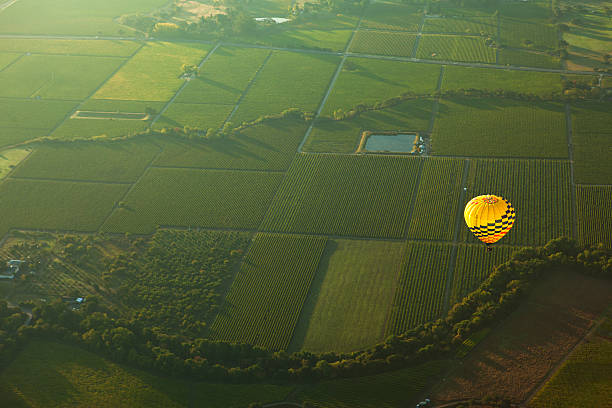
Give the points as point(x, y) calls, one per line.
point(489, 217)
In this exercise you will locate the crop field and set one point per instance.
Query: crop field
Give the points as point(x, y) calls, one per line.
point(474, 264)
point(420, 288)
point(198, 198)
point(539, 191)
point(499, 127)
point(592, 142)
point(289, 80)
point(153, 74)
point(435, 209)
point(594, 221)
point(118, 161)
point(7, 57)
point(452, 48)
point(100, 48)
point(523, 34)
point(343, 136)
point(47, 374)
point(11, 158)
point(266, 298)
point(392, 16)
point(583, 380)
point(267, 146)
point(369, 81)
point(536, 83)
point(357, 282)
point(461, 25)
point(56, 76)
point(56, 205)
point(224, 76)
point(383, 43)
point(306, 38)
point(365, 196)
point(523, 58)
point(203, 116)
point(388, 390)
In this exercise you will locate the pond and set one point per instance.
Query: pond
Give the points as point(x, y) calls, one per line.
point(402, 143)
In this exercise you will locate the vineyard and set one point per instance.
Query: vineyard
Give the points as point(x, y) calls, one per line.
point(591, 135)
point(518, 34)
point(450, 48)
point(198, 115)
point(594, 221)
point(420, 293)
point(524, 58)
point(461, 25)
point(437, 200)
point(266, 298)
point(383, 43)
point(102, 48)
point(543, 208)
point(365, 196)
point(392, 16)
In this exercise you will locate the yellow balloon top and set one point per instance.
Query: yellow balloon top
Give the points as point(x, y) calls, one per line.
point(489, 217)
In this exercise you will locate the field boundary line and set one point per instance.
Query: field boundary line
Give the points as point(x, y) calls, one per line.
point(183, 85)
point(570, 152)
point(406, 155)
point(418, 37)
point(67, 180)
point(246, 89)
point(13, 63)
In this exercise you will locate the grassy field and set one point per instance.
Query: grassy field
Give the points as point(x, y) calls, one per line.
point(11, 158)
point(121, 161)
point(528, 34)
point(537, 83)
point(198, 198)
point(435, 209)
point(594, 221)
point(367, 81)
point(303, 38)
point(461, 25)
point(419, 296)
point(453, 48)
point(524, 58)
point(365, 196)
point(543, 209)
point(350, 307)
point(266, 298)
point(47, 374)
point(153, 74)
point(224, 77)
point(101, 48)
point(343, 136)
point(56, 205)
point(592, 142)
point(499, 127)
point(383, 43)
point(392, 16)
point(203, 116)
point(289, 80)
point(7, 57)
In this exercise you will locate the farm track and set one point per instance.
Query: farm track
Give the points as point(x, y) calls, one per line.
point(570, 151)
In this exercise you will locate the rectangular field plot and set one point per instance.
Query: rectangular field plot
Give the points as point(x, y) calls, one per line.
point(102, 48)
point(594, 210)
point(539, 190)
point(461, 25)
point(392, 16)
point(289, 80)
point(474, 264)
point(592, 142)
point(266, 298)
point(358, 282)
point(383, 43)
point(56, 76)
point(54, 205)
point(154, 73)
point(343, 136)
point(522, 58)
point(186, 197)
point(307, 38)
point(267, 146)
point(203, 116)
point(10, 158)
point(118, 162)
point(490, 79)
point(499, 127)
point(517, 34)
point(368, 81)
point(437, 200)
point(224, 76)
point(7, 57)
point(419, 296)
point(452, 48)
point(365, 196)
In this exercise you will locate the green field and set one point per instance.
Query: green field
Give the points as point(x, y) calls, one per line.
point(583, 380)
point(524, 58)
point(198, 115)
point(306, 38)
point(364, 196)
point(537, 83)
point(419, 296)
point(392, 16)
point(461, 25)
point(198, 198)
point(11, 158)
point(266, 298)
point(383, 43)
point(528, 34)
point(594, 221)
point(120, 161)
point(153, 74)
point(435, 209)
point(47, 374)
point(499, 127)
point(102, 48)
point(8, 57)
point(592, 142)
point(453, 48)
point(289, 80)
point(343, 136)
point(358, 279)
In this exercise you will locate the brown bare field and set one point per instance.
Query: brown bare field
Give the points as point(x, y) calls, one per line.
point(523, 349)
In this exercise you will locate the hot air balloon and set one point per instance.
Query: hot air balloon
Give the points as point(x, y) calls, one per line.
point(489, 217)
